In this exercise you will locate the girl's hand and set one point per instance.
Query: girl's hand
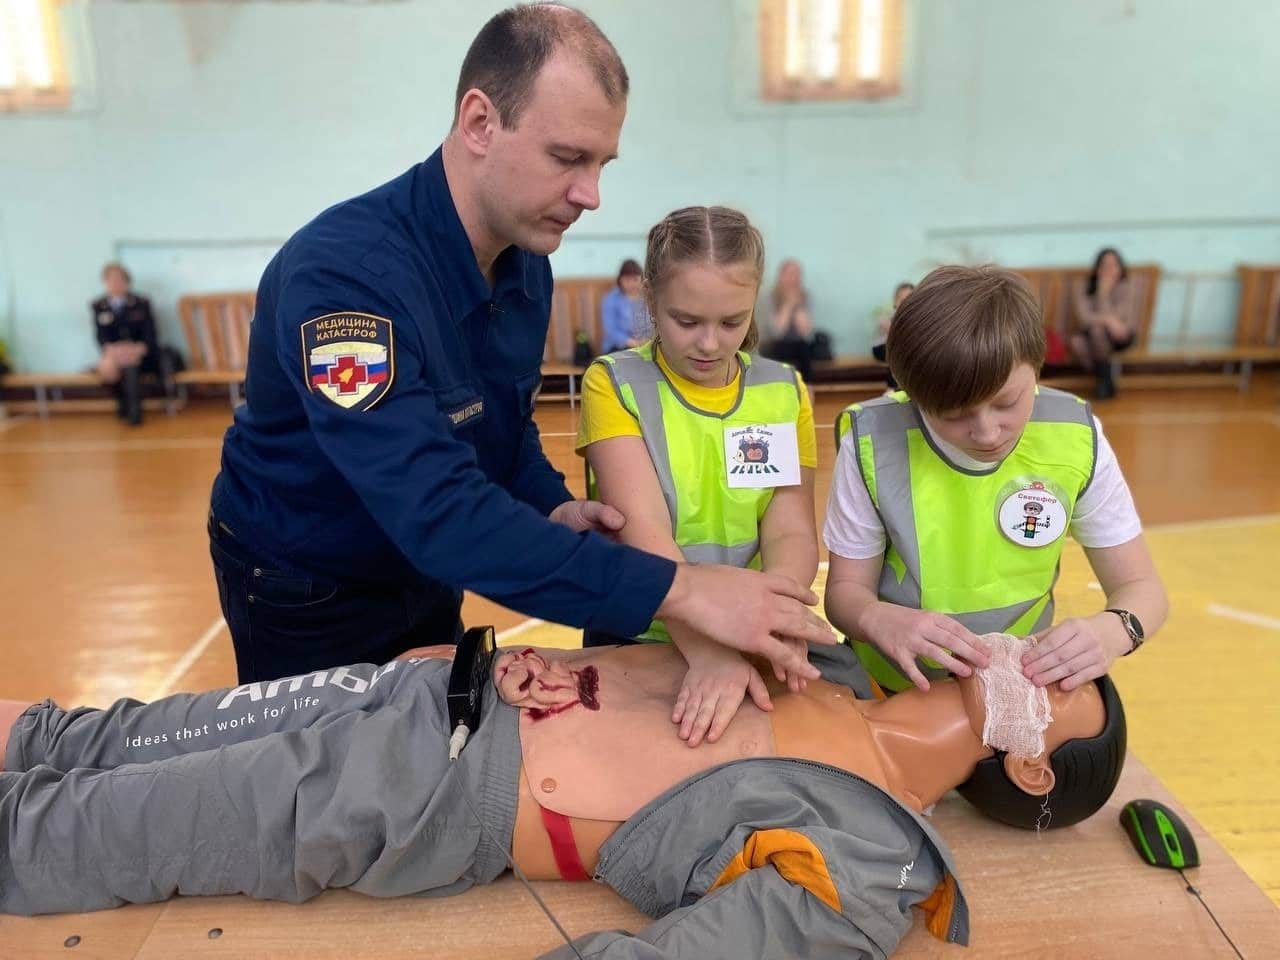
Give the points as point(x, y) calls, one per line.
point(712, 691)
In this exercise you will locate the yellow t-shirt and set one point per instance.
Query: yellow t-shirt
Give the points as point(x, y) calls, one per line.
point(604, 416)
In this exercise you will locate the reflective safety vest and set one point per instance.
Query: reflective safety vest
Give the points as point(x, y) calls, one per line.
point(711, 522)
point(982, 548)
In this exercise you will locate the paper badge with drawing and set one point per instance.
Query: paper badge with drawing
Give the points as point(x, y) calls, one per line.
point(1032, 515)
point(761, 455)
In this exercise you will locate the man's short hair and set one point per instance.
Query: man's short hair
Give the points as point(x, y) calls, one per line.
point(115, 267)
point(1085, 770)
point(956, 338)
point(510, 50)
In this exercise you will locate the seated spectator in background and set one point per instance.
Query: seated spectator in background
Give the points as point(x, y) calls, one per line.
point(791, 322)
point(882, 329)
point(126, 334)
point(623, 318)
point(1105, 317)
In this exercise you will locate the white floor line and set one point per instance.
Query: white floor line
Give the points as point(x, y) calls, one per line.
point(518, 629)
point(1244, 616)
point(1094, 585)
point(170, 681)
point(1254, 521)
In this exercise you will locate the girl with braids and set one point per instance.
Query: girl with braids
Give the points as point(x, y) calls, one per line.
point(706, 449)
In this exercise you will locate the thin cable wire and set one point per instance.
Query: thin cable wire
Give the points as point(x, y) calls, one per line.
point(1196, 893)
point(516, 870)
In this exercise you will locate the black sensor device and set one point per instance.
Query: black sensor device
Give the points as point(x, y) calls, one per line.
point(469, 675)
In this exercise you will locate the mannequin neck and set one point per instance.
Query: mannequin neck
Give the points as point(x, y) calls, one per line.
point(928, 741)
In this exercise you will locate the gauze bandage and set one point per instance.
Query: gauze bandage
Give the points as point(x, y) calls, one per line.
point(1017, 710)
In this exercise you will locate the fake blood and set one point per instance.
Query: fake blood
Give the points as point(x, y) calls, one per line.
point(541, 713)
point(588, 679)
point(589, 687)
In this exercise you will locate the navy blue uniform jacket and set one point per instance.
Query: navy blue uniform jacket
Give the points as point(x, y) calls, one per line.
point(387, 435)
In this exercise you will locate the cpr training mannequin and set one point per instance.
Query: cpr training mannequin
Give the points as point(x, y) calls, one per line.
point(341, 779)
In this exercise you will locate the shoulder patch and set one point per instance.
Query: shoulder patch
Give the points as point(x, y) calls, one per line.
point(347, 358)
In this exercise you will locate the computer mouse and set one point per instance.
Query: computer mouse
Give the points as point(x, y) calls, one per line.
point(1159, 835)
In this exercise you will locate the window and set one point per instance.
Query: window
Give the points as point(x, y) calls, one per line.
point(32, 75)
point(830, 49)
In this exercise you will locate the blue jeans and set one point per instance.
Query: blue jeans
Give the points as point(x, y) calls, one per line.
point(285, 622)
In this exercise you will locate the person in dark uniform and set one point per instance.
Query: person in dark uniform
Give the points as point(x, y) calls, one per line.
point(386, 456)
point(126, 334)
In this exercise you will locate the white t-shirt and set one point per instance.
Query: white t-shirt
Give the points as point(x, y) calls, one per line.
point(1105, 515)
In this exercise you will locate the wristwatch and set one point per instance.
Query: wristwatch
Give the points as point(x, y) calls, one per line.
point(1132, 626)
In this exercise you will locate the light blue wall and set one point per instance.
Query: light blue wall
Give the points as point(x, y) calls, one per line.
point(1032, 132)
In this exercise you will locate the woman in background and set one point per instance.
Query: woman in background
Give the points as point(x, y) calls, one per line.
point(622, 313)
point(791, 320)
point(1105, 317)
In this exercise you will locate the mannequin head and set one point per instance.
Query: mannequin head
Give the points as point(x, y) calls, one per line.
point(1083, 756)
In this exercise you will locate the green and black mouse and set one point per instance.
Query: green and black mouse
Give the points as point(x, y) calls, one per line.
point(1159, 835)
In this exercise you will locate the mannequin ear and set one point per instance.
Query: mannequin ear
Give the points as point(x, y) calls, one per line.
point(1033, 776)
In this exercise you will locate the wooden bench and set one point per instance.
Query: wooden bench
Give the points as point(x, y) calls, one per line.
point(1052, 286)
point(47, 390)
point(575, 307)
point(1256, 338)
point(216, 327)
point(1055, 288)
point(849, 371)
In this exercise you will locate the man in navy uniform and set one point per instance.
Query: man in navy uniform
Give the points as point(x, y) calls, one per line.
point(126, 333)
point(386, 457)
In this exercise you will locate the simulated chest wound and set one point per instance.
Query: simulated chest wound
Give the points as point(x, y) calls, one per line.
point(543, 688)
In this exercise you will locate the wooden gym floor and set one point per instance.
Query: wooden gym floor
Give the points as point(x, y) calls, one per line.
point(107, 591)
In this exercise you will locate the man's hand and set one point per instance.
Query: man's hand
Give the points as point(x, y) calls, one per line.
point(904, 633)
point(712, 691)
point(580, 515)
point(1076, 651)
point(748, 611)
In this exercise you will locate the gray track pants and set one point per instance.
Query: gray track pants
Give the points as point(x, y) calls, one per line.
point(278, 790)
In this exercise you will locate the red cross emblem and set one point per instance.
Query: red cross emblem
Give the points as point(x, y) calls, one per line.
point(347, 375)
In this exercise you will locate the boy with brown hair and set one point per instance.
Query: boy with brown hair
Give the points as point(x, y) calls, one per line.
point(928, 525)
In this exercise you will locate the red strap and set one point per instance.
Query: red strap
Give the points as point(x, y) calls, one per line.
point(565, 850)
